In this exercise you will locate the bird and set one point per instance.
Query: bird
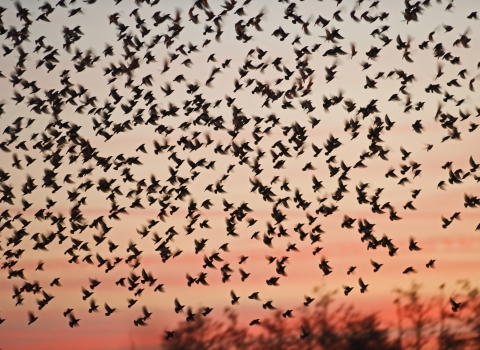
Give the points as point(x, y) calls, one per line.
point(31, 318)
point(304, 333)
point(39, 266)
point(376, 266)
point(455, 306)
point(268, 305)
point(169, 334)
point(109, 310)
point(73, 322)
point(93, 306)
point(178, 307)
point(347, 290)
point(255, 322)
point(308, 300)
point(234, 297)
point(86, 294)
point(413, 245)
point(244, 275)
point(363, 286)
point(206, 311)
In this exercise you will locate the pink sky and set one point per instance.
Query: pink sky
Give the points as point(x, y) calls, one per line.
point(455, 248)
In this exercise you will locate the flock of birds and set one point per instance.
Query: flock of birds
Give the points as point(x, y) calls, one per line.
point(62, 144)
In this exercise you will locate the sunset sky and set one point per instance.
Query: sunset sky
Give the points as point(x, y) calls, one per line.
point(454, 249)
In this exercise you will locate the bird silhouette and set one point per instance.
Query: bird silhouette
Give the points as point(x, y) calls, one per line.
point(455, 305)
point(363, 286)
point(31, 318)
point(234, 297)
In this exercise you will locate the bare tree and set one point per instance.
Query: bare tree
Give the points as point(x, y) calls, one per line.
point(340, 328)
point(418, 316)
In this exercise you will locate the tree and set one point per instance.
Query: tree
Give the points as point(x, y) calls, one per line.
point(417, 314)
point(342, 328)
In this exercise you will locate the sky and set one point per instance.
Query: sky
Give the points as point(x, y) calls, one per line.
point(454, 249)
